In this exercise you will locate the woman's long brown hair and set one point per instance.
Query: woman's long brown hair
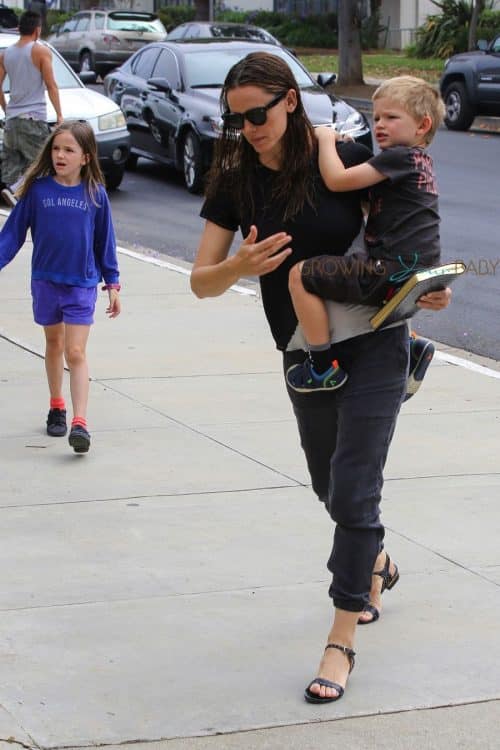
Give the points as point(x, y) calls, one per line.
point(294, 182)
point(91, 171)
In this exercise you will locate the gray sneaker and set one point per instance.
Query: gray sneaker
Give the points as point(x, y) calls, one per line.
point(56, 423)
point(79, 439)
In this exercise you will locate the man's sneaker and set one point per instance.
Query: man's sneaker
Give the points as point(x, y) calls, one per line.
point(303, 378)
point(79, 439)
point(9, 197)
point(421, 353)
point(56, 423)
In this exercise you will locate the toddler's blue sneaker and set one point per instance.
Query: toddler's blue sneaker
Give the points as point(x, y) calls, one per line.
point(421, 354)
point(304, 379)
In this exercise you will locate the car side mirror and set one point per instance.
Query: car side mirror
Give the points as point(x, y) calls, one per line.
point(482, 45)
point(160, 84)
point(87, 76)
point(325, 79)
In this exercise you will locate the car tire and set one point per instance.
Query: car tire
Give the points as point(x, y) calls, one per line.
point(131, 163)
point(114, 177)
point(192, 162)
point(459, 111)
point(86, 62)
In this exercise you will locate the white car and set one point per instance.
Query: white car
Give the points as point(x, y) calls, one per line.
point(80, 103)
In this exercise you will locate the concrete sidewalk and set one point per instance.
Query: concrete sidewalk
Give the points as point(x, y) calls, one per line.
point(170, 586)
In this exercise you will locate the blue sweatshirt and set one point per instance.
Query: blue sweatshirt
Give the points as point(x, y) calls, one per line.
point(73, 239)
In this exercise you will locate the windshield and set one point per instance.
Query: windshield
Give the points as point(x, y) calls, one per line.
point(65, 78)
point(135, 24)
point(209, 68)
point(241, 32)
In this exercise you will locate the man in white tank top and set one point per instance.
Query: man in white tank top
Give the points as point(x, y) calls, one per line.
point(29, 67)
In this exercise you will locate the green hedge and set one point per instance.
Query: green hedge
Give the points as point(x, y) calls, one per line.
point(489, 24)
point(173, 15)
point(315, 31)
point(447, 33)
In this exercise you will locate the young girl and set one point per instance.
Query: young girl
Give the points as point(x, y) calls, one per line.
point(64, 203)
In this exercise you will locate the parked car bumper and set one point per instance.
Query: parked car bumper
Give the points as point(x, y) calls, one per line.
point(114, 58)
point(113, 149)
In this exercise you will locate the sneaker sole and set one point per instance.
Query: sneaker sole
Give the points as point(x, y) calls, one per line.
point(317, 389)
point(415, 379)
point(79, 443)
point(58, 434)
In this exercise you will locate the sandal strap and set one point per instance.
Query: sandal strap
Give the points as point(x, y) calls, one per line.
point(348, 652)
point(384, 573)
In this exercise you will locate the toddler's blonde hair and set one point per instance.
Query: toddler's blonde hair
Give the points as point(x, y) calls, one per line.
point(415, 96)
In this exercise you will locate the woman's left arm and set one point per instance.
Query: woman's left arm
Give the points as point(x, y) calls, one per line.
point(435, 300)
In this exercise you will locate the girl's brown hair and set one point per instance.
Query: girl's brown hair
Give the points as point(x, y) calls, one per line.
point(91, 171)
point(294, 182)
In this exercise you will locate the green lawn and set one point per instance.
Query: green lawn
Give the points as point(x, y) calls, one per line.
point(384, 65)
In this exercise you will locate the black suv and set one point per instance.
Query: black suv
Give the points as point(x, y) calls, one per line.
point(470, 85)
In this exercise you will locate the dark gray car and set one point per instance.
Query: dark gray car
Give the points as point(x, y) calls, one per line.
point(169, 93)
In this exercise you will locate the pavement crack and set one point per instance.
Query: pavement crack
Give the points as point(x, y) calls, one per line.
point(442, 556)
point(156, 496)
point(202, 434)
point(13, 741)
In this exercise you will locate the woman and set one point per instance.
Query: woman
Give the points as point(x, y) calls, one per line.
point(265, 180)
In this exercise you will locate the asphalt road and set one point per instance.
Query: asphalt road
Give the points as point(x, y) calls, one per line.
point(152, 209)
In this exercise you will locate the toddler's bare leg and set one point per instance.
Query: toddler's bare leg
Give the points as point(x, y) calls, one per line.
point(310, 309)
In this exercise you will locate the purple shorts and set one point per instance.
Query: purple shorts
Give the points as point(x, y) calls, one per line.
point(62, 303)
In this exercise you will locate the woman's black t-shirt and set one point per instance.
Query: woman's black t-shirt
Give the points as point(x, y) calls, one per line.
point(328, 228)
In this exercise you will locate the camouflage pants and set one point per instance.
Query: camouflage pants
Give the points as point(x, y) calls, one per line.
point(22, 141)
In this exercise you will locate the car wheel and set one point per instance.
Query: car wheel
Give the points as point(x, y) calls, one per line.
point(156, 131)
point(192, 163)
point(114, 177)
point(86, 62)
point(131, 162)
point(459, 112)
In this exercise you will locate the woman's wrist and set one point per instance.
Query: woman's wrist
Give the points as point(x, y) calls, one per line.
point(234, 268)
point(114, 286)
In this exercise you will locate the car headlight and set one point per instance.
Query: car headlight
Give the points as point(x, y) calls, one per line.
point(112, 121)
point(352, 124)
point(216, 124)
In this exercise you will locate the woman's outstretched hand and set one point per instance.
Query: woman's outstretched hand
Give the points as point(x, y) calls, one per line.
point(258, 258)
point(435, 300)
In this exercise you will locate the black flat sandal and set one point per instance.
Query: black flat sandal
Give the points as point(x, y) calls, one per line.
point(312, 697)
point(388, 582)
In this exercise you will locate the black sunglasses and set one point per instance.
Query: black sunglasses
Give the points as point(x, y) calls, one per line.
point(257, 115)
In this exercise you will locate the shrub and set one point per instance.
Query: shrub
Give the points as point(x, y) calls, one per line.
point(55, 17)
point(489, 24)
point(173, 15)
point(444, 34)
